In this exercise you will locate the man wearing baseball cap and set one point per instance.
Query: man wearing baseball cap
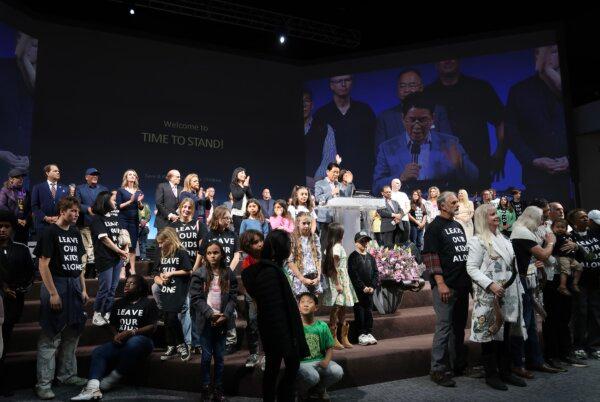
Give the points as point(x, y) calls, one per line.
point(86, 193)
point(15, 198)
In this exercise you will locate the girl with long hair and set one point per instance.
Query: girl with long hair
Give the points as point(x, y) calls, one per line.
point(340, 292)
point(418, 219)
point(302, 201)
point(305, 258)
point(281, 219)
point(254, 218)
point(192, 189)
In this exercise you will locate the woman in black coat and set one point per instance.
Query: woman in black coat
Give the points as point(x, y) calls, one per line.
point(279, 323)
point(241, 193)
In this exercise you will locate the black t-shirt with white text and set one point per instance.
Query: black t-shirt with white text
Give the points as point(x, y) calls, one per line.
point(65, 250)
point(519, 207)
point(523, 254)
point(446, 238)
point(190, 234)
point(590, 242)
point(103, 226)
point(173, 294)
point(127, 316)
point(229, 240)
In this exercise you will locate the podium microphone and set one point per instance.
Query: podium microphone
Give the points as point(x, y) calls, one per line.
point(415, 150)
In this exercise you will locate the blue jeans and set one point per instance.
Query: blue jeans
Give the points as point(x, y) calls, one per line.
point(314, 378)
point(212, 342)
point(186, 321)
point(108, 281)
point(122, 357)
point(531, 347)
point(416, 236)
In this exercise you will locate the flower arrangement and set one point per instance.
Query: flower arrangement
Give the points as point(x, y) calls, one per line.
point(398, 265)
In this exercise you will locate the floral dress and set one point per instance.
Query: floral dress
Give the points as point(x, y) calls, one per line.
point(347, 297)
point(309, 266)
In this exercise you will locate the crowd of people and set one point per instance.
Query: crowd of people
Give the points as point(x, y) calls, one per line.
point(515, 260)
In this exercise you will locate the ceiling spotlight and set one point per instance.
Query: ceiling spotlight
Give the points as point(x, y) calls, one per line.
point(282, 39)
point(131, 11)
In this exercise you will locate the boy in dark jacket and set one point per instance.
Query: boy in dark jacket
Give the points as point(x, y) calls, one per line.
point(362, 270)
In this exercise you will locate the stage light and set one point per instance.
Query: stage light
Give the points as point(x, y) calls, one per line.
point(131, 11)
point(282, 39)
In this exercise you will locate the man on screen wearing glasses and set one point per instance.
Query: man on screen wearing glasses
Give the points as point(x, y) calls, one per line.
point(422, 157)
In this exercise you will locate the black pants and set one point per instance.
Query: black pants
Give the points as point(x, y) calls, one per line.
point(285, 389)
point(363, 312)
point(555, 329)
point(173, 329)
point(323, 231)
point(13, 310)
point(390, 239)
point(252, 325)
point(499, 350)
point(237, 223)
point(405, 234)
point(586, 324)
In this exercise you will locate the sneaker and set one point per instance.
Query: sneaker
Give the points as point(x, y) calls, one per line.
point(580, 354)
point(184, 352)
point(252, 360)
point(364, 340)
point(44, 393)
point(98, 320)
point(107, 317)
point(573, 361)
point(110, 381)
point(442, 379)
point(88, 394)
point(75, 380)
point(372, 339)
point(170, 353)
point(595, 354)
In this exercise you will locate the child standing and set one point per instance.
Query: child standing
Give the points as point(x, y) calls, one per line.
point(305, 259)
point(172, 275)
point(340, 293)
point(213, 294)
point(251, 242)
point(317, 372)
point(281, 218)
point(302, 201)
point(254, 218)
point(566, 259)
point(362, 270)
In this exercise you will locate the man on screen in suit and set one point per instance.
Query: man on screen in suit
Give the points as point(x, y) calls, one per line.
point(325, 190)
point(423, 157)
point(45, 197)
point(391, 219)
point(167, 200)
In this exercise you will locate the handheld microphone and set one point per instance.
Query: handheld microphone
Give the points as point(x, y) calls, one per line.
point(415, 150)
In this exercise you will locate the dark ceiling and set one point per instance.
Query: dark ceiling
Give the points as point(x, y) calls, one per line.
point(383, 26)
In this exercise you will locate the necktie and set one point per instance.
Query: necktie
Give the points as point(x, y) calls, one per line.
point(53, 190)
point(174, 191)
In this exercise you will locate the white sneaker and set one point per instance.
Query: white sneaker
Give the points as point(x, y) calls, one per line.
point(364, 340)
point(107, 317)
point(88, 394)
point(110, 381)
point(98, 320)
point(372, 340)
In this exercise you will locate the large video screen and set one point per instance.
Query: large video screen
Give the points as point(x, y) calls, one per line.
point(18, 60)
point(491, 121)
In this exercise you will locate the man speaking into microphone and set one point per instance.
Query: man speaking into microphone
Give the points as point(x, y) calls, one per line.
point(420, 156)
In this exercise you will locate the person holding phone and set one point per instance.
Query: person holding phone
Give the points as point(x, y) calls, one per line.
point(129, 203)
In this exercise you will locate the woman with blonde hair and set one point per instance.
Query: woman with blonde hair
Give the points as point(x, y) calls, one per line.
point(465, 213)
point(431, 206)
point(129, 202)
point(498, 309)
point(192, 189)
point(172, 275)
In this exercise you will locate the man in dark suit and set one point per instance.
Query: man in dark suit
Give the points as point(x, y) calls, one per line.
point(167, 200)
point(325, 190)
point(45, 197)
point(391, 219)
point(267, 203)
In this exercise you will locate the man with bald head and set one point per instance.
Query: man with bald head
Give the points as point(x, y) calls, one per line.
point(167, 199)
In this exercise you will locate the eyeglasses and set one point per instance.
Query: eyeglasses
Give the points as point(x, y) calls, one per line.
point(424, 121)
point(341, 81)
point(228, 218)
point(412, 85)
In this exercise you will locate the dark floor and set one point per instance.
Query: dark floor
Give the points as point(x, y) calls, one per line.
point(578, 384)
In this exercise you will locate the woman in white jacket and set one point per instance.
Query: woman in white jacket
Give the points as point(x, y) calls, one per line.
point(497, 310)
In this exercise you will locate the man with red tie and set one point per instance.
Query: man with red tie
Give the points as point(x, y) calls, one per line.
point(45, 197)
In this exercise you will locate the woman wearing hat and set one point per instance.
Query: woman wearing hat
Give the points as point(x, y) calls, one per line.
point(16, 199)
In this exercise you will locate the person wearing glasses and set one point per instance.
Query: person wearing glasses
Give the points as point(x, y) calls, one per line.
point(354, 125)
point(389, 122)
point(422, 156)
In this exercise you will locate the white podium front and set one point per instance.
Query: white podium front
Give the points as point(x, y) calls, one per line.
point(353, 214)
